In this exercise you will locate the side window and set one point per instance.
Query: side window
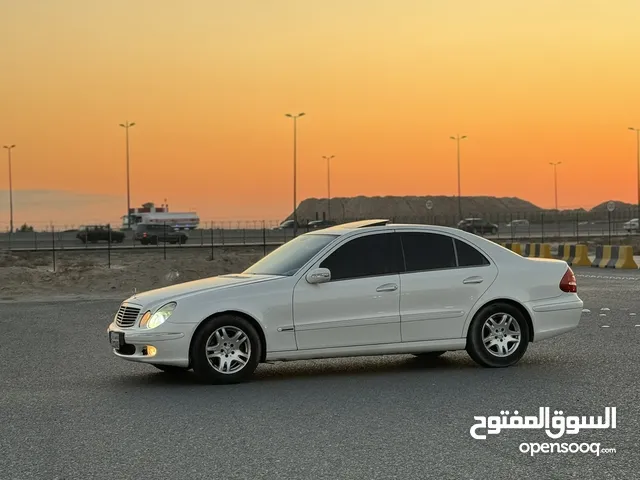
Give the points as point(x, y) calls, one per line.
point(427, 251)
point(468, 256)
point(367, 256)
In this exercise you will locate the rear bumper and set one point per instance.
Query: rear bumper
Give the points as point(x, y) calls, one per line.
point(554, 317)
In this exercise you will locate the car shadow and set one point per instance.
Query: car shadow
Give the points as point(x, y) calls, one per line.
point(383, 366)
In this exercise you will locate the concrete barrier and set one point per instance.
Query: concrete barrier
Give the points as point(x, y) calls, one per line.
point(575, 255)
point(614, 256)
point(514, 247)
point(537, 250)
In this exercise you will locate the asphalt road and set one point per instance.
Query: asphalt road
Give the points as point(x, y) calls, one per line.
point(71, 410)
point(68, 240)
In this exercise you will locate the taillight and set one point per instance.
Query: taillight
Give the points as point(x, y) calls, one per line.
point(568, 283)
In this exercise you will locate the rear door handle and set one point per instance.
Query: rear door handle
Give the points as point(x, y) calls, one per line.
point(473, 280)
point(387, 287)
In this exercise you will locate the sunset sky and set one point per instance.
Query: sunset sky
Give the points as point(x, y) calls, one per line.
point(383, 83)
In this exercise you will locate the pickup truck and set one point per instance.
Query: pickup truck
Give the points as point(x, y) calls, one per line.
point(99, 233)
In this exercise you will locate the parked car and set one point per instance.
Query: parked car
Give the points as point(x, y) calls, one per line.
point(522, 223)
point(153, 234)
point(313, 224)
point(477, 226)
point(631, 226)
point(99, 233)
point(361, 288)
point(285, 225)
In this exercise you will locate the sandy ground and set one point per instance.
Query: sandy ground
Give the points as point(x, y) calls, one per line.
point(30, 275)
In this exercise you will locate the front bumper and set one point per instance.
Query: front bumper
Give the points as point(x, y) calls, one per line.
point(170, 340)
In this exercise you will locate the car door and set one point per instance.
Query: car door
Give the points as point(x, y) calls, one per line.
point(360, 304)
point(445, 276)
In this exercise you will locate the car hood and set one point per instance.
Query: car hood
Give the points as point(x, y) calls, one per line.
point(174, 292)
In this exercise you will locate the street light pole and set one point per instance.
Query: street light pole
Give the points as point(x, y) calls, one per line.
point(295, 164)
point(457, 138)
point(126, 125)
point(555, 180)
point(637, 130)
point(328, 159)
point(9, 148)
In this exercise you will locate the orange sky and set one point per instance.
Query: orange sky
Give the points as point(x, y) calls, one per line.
point(383, 83)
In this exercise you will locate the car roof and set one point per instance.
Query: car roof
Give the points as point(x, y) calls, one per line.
point(381, 225)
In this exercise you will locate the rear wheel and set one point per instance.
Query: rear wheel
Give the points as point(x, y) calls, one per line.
point(498, 336)
point(226, 350)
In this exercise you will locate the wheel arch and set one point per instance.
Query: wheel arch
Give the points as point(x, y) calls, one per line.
point(509, 301)
point(254, 323)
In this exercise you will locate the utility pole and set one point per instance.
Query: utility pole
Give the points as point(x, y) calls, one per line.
point(457, 138)
point(295, 163)
point(328, 159)
point(555, 180)
point(126, 127)
point(9, 148)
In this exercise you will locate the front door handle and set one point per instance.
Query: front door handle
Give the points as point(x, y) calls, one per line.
point(387, 287)
point(473, 280)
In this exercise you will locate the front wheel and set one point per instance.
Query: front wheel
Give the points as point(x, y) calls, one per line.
point(226, 350)
point(498, 336)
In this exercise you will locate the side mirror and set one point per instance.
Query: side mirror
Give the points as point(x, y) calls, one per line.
point(318, 275)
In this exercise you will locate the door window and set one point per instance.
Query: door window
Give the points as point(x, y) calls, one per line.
point(427, 251)
point(469, 256)
point(367, 256)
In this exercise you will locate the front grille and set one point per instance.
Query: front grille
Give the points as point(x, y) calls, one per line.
point(127, 316)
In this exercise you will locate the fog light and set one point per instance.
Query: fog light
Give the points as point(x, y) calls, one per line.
point(151, 350)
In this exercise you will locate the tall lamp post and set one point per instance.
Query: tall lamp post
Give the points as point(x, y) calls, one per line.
point(295, 163)
point(637, 130)
point(126, 125)
point(328, 159)
point(457, 138)
point(555, 180)
point(9, 148)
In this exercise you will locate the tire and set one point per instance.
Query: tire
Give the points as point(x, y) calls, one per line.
point(489, 356)
point(170, 368)
point(430, 355)
point(250, 346)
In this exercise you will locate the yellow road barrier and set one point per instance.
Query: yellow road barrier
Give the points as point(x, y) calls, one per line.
point(614, 256)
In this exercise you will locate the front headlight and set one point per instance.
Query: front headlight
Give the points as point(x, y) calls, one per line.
point(159, 317)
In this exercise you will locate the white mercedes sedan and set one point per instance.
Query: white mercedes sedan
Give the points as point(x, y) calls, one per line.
point(361, 288)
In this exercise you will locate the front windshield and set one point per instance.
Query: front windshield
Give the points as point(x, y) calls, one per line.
point(290, 257)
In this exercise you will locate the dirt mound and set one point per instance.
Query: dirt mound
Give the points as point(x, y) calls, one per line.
point(409, 208)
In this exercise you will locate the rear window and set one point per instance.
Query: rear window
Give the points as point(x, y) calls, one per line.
point(469, 256)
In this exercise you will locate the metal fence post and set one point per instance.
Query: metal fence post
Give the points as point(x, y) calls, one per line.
point(542, 227)
point(53, 246)
point(164, 243)
point(109, 248)
point(264, 240)
point(577, 227)
point(211, 232)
